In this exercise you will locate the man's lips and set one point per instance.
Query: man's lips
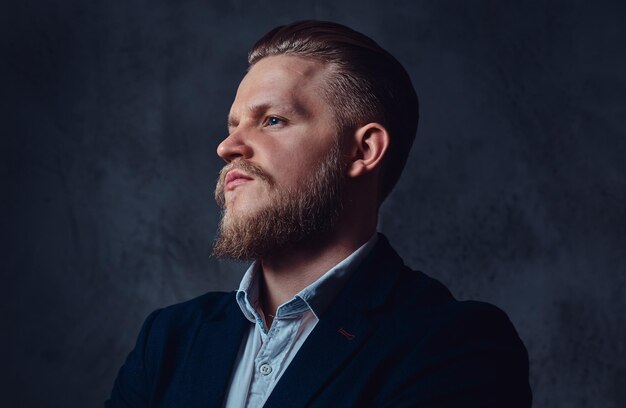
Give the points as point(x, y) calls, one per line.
point(235, 178)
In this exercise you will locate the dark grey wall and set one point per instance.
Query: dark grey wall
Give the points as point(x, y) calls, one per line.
point(514, 193)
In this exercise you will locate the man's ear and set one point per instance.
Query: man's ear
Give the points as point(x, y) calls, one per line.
point(369, 145)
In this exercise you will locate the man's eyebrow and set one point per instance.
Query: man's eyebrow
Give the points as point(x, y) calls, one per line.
point(231, 122)
point(260, 109)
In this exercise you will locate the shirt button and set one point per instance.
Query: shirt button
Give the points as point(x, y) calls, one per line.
point(265, 369)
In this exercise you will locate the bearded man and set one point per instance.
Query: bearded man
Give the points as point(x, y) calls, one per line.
point(327, 314)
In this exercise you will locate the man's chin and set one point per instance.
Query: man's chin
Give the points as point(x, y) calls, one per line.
point(240, 209)
point(239, 237)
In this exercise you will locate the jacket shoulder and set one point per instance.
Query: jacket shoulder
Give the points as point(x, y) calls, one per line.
point(429, 304)
point(452, 348)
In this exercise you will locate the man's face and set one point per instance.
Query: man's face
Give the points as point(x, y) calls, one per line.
point(283, 178)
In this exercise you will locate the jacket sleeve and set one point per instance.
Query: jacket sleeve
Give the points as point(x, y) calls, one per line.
point(133, 384)
point(474, 359)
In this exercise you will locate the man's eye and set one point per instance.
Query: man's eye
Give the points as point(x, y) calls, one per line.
point(273, 121)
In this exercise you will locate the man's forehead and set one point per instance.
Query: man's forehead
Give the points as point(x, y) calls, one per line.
point(281, 73)
point(285, 81)
point(304, 67)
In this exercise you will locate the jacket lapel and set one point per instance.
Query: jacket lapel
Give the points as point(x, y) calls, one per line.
point(341, 331)
point(211, 358)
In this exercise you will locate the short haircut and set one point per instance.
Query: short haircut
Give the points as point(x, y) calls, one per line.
point(366, 84)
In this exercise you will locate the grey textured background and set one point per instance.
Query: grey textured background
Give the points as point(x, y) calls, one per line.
point(514, 193)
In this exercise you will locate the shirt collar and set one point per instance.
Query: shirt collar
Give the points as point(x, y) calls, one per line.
point(316, 297)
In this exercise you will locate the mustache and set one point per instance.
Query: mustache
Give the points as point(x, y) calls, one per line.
point(245, 166)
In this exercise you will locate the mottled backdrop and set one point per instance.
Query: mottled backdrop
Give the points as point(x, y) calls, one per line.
point(514, 193)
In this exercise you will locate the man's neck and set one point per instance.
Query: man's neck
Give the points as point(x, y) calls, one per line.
point(285, 275)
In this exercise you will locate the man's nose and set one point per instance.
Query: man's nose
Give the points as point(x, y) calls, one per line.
point(234, 147)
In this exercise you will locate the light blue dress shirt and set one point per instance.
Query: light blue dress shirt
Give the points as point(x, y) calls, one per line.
point(265, 354)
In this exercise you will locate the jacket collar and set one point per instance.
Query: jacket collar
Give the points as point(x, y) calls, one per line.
point(342, 328)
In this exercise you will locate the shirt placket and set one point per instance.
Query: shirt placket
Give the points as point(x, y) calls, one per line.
point(275, 346)
point(265, 364)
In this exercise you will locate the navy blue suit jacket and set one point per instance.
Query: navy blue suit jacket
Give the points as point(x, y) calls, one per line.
point(392, 338)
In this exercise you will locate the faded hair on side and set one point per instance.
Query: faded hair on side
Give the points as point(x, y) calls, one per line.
point(366, 83)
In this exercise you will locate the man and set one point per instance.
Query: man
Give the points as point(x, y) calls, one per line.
point(327, 315)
